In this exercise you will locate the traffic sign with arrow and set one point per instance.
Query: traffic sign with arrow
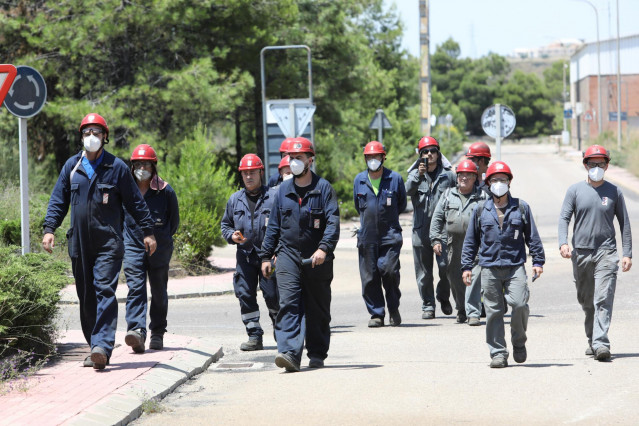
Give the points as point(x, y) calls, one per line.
point(7, 75)
point(27, 95)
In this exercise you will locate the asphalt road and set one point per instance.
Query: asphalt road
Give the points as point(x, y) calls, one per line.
point(426, 372)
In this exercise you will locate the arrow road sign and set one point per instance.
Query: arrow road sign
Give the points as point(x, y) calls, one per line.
point(7, 75)
point(27, 94)
point(380, 119)
point(489, 121)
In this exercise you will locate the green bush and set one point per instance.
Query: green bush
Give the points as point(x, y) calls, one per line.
point(10, 232)
point(29, 295)
point(203, 187)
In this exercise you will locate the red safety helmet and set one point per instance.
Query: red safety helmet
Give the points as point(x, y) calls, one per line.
point(595, 151)
point(466, 166)
point(427, 141)
point(144, 152)
point(498, 167)
point(93, 118)
point(374, 147)
point(250, 162)
point(478, 149)
point(301, 145)
point(284, 145)
point(284, 162)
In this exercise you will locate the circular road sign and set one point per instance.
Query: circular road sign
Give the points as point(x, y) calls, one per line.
point(489, 121)
point(27, 94)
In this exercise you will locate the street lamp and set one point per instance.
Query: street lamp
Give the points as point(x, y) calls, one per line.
point(599, 112)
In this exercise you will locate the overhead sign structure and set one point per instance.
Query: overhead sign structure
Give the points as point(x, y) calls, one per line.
point(498, 121)
point(7, 75)
point(27, 95)
point(380, 122)
point(489, 121)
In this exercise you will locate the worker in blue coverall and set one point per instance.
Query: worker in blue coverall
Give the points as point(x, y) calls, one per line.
point(379, 196)
point(97, 185)
point(304, 225)
point(244, 223)
point(500, 228)
point(425, 184)
point(276, 179)
point(138, 265)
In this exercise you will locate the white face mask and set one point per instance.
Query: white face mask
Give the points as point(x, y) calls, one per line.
point(287, 177)
point(142, 174)
point(92, 143)
point(374, 164)
point(596, 174)
point(297, 167)
point(498, 189)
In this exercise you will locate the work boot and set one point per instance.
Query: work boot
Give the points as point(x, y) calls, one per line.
point(157, 342)
point(316, 363)
point(461, 317)
point(520, 354)
point(474, 321)
point(499, 361)
point(99, 358)
point(428, 315)
point(87, 362)
point(376, 322)
point(135, 339)
point(446, 307)
point(589, 351)
point(602, 354)
point(286, 361)
point(394, 319)
point(253, 344)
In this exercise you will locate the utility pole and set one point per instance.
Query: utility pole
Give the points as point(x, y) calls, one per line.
point(424, 80)
point(618, 84)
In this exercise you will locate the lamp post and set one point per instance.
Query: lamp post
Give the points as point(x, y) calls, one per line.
point(599, 112)
point(564, 94)
point(618, 85)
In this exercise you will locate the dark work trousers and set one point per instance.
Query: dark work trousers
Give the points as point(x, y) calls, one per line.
point(245, 281)
point(136, 269)
point(305, 307)
point(379, 266)
point(423, 256)
point(96, 279)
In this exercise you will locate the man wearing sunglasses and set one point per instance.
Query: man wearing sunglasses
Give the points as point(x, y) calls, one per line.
point(98, 186)
point(425, 185)
point(595, 261)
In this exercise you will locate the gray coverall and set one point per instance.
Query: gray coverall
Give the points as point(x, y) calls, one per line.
point(448, 227)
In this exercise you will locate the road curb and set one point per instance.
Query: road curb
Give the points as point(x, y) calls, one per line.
point(126, 404)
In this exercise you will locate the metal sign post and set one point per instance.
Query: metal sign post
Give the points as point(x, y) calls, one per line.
point(498, 121)
point(25, 98)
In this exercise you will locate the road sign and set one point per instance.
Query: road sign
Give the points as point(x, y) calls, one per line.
point(7, 75)
point(612, 116)
point(587, 116)
point(292, 126)
point(27, 95)
point(508, 121)
point(380, 119)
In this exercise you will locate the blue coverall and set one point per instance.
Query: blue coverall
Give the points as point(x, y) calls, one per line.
point(379, 239)
point(297, 228)
point(95, 238)
point(248, 273)
point(274, 180)
point(163, 205)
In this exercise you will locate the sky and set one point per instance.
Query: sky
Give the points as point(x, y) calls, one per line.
point(500, 26)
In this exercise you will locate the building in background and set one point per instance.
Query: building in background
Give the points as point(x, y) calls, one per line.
point(563, 48)
point(583, 89)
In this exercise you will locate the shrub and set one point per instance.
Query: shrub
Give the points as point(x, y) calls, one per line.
point(29, 295)
point(203, 188)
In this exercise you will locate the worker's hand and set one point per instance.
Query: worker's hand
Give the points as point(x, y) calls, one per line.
point(565, 251)
point(266, 268)
point(538, 270)
point(437, 248)
point(238, 238)
point(48, 242)
point(150, 244)
point(422, 168)
point(318, 257)
point(626, 264)
point(467, 277)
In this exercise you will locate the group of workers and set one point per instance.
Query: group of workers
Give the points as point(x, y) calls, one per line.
point(286, 233)
point(119, 214)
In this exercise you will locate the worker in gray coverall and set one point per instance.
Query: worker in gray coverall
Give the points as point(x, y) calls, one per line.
point(595, 203)
point(449, 225)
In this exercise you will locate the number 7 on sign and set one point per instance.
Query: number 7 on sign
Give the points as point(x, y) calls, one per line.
point(7, 75)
